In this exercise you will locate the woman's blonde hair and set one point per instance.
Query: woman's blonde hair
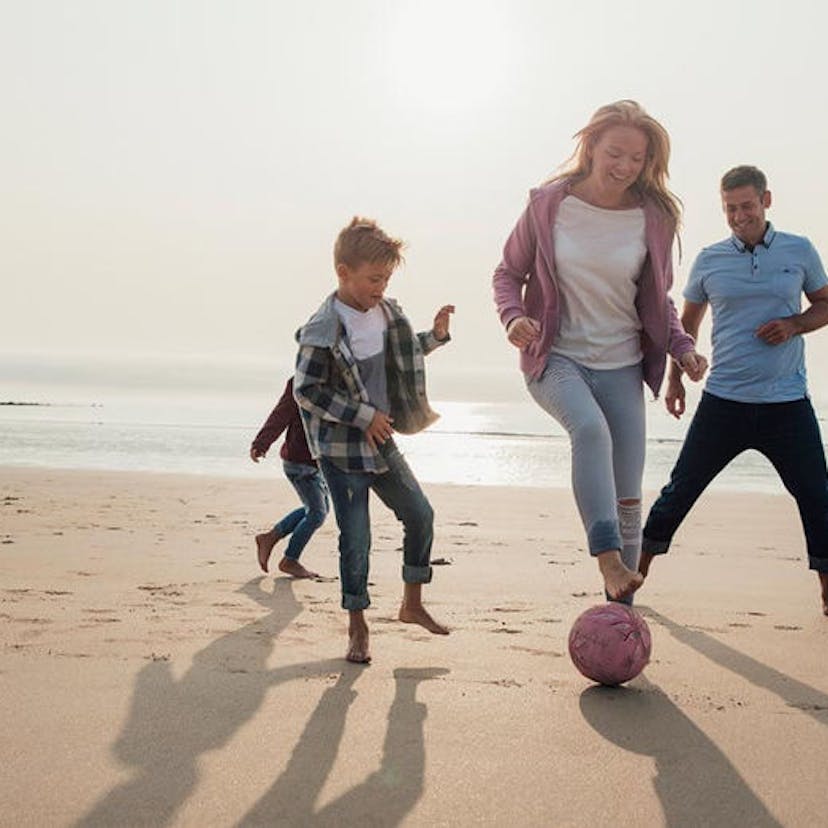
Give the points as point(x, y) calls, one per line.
point(652, 182)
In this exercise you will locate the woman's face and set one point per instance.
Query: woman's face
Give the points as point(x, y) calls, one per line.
point(618, 157)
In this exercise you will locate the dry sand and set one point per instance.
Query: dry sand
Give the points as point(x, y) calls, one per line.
point(151, 676)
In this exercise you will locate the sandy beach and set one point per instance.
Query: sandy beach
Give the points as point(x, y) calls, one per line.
point(152, 676)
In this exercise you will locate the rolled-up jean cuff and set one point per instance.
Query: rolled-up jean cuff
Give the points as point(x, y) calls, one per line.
point(654, 547)
point(604, 535)
point(416, 574)
point(817, 564)
point(355, 602)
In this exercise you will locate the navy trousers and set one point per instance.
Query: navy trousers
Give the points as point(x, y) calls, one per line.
point(786, 433)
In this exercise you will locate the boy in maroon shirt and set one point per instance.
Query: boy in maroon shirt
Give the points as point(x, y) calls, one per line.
point(301, 470)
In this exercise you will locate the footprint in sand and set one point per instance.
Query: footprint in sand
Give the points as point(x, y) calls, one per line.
point(535, 651)
point(506, 682)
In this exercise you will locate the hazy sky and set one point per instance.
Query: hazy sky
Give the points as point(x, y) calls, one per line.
point(174, 173)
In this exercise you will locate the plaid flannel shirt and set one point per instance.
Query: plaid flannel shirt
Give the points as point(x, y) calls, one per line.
point(332, 398)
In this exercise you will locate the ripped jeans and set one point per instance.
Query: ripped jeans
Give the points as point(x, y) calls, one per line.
point(603, 413)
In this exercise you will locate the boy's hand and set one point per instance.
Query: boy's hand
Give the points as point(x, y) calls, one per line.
point(380, 429)
point(255, 454)
point(441, 322)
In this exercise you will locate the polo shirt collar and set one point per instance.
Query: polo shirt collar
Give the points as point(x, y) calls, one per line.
point(767, 239)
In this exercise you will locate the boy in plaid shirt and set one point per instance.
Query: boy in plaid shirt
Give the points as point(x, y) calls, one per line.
point(360, 376)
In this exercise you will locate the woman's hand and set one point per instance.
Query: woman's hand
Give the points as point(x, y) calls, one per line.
point(693, 364)
point(523, 331)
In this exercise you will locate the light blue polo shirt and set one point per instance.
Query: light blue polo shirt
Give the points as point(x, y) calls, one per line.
point(745, 289)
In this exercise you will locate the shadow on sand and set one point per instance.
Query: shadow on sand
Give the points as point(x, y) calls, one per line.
point(172, 722)
point(694, 780)
point(696, 783)
point(794, 693)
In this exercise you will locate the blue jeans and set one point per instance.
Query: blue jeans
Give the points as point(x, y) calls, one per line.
point(301, 523)
point(786, 433)
point(399, 491)
point(603, 413)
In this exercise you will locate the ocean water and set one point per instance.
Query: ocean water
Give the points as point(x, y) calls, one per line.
point(191, 420)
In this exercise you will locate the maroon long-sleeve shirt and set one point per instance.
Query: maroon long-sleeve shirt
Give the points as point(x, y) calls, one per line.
point(285, 416)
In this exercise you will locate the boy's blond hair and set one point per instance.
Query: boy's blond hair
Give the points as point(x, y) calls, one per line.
point(363, 240)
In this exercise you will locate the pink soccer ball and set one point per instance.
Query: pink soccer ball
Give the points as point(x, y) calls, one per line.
point(610, 643)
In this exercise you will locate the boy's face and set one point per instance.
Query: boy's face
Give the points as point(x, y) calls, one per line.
point(363, 286)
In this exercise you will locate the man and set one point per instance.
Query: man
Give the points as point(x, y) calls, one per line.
point(756, 396)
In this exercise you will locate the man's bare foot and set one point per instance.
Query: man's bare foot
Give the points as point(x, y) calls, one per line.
point(619, 581)
point(418, 614)
point(264, 546)
point(358, 650)
point(823, 582)
point(644, 563)
point(294, 568)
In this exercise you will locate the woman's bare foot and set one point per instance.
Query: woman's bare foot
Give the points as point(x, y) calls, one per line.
point(644, 563)
point(294, 568)
point(419, 615)
point(823, 582)
point(619, 581)
point(264, 546)
point(358, 651)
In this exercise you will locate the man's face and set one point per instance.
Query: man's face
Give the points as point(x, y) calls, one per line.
point(744, 208)
point(362, 287)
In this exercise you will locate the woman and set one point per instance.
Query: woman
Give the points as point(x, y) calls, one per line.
point(582, 290)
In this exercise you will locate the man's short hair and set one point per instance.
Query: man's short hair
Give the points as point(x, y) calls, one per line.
point(363, 240)
point(745, 176)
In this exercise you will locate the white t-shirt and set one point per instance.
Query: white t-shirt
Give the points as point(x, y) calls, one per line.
point(598, 258)
point(366, 336)
point(365, 329)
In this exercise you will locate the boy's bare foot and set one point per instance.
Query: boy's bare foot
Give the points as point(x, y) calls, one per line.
point(294, 568)
point(412, 610)
point(644, 563)
point(264, 546)
point(823, 582)
point(358, 650)
point(419, 615)
point(619, 581)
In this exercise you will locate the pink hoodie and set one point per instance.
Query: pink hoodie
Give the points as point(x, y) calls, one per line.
point(524, 285)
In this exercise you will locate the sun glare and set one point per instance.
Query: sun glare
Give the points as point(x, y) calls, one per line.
point(449, 56)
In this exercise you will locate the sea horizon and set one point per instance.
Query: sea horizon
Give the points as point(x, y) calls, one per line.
point(199, 417)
